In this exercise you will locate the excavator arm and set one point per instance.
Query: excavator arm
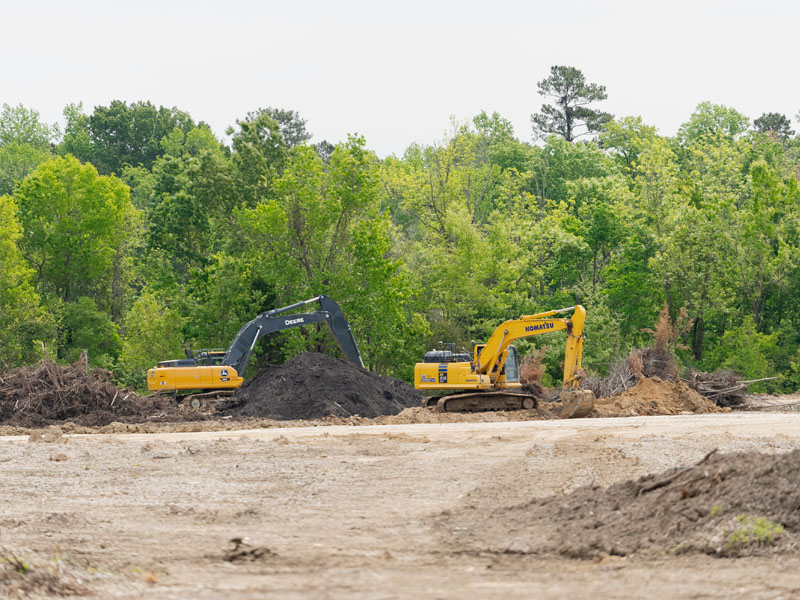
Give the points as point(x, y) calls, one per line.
point(276, 319)
point(492, 355)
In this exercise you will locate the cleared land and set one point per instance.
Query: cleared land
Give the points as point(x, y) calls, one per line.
point(356, 512)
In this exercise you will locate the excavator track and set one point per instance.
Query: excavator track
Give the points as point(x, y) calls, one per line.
point(482, 402)
point(576, 404)
point(206, 402)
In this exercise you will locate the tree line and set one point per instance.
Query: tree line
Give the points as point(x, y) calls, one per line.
point(135, 233)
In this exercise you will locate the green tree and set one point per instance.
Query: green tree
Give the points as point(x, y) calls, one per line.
point(320, 231)
point(122, 134)
point(624, 138)
point(746, 351)
point(775, 123)
point(20, 125)
point(22, 318)
point(77, 139)
point(713, 121)
point(152, 333)
point(85, 327)
point(571, 96)
point(292, 127)
point(16, 161)
point(75, 222)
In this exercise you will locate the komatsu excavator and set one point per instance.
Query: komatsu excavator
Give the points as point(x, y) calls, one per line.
point(489, 379)
point(215, 373)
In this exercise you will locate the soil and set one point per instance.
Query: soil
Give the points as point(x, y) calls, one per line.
point(313, 385)
point(357, 512)
point(725, 505)
point(654, 396)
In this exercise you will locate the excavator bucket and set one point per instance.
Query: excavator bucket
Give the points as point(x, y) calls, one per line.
point(576, 403)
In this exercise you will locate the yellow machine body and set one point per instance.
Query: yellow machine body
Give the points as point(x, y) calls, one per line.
point(193, 378)
point(459, 376)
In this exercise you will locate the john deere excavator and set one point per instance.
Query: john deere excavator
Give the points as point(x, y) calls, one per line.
point(489, 379)
point(214, 374)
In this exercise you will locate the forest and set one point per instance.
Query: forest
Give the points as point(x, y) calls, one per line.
point(134, 232)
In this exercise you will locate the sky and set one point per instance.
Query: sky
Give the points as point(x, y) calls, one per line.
point(398, 72)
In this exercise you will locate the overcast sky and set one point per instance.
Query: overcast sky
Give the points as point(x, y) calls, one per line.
point(396, 72)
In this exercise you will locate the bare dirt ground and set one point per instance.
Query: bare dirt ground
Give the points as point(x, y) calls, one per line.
point(351, 512)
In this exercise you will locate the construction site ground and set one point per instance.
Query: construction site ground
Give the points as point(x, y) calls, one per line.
point(352, 512)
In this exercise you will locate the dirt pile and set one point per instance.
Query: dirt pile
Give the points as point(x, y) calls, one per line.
point(49, 392)
point(654, 396)
point(725, 505)
point(313, 385)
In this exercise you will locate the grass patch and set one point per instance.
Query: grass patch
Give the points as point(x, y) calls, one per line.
point(752, 530)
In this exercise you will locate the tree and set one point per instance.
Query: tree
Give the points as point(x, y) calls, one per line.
point(625, 138)
point(16, 161)
point(152, 333)
point(713, 121)
point(74, 222)
point(567, 85)
point(292, 127)
point(259, 154)
point(22, 319)
point(22, 125)
point(123, 134)
point(77, 140)
point(320, 230)
point(85, 327)
point(776, 123)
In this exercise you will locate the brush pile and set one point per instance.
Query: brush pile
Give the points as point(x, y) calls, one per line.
point(39, 395)
point(723, 387)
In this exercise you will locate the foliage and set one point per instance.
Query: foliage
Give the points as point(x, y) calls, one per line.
point(152, 333)
point(121, 134)
point(442, 243)
point(754, 530)
point(74, 221)
point(16, 161)
point(571, 94)
point(20, 125)
point(85, 327)
point(23, 320)
point(776, 124)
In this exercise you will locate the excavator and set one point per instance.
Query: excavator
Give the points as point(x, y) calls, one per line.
point(489, 378)
point(216, 373)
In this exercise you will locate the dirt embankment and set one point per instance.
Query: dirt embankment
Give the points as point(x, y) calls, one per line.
point(725, 505)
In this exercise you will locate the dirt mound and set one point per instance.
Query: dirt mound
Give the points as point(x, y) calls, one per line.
point(653, 396)
point(49, 392)
point(725, 505)
point(313, 385)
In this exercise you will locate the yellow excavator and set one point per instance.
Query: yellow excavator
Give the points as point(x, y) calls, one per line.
point(489, 379)
point(217, 373)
